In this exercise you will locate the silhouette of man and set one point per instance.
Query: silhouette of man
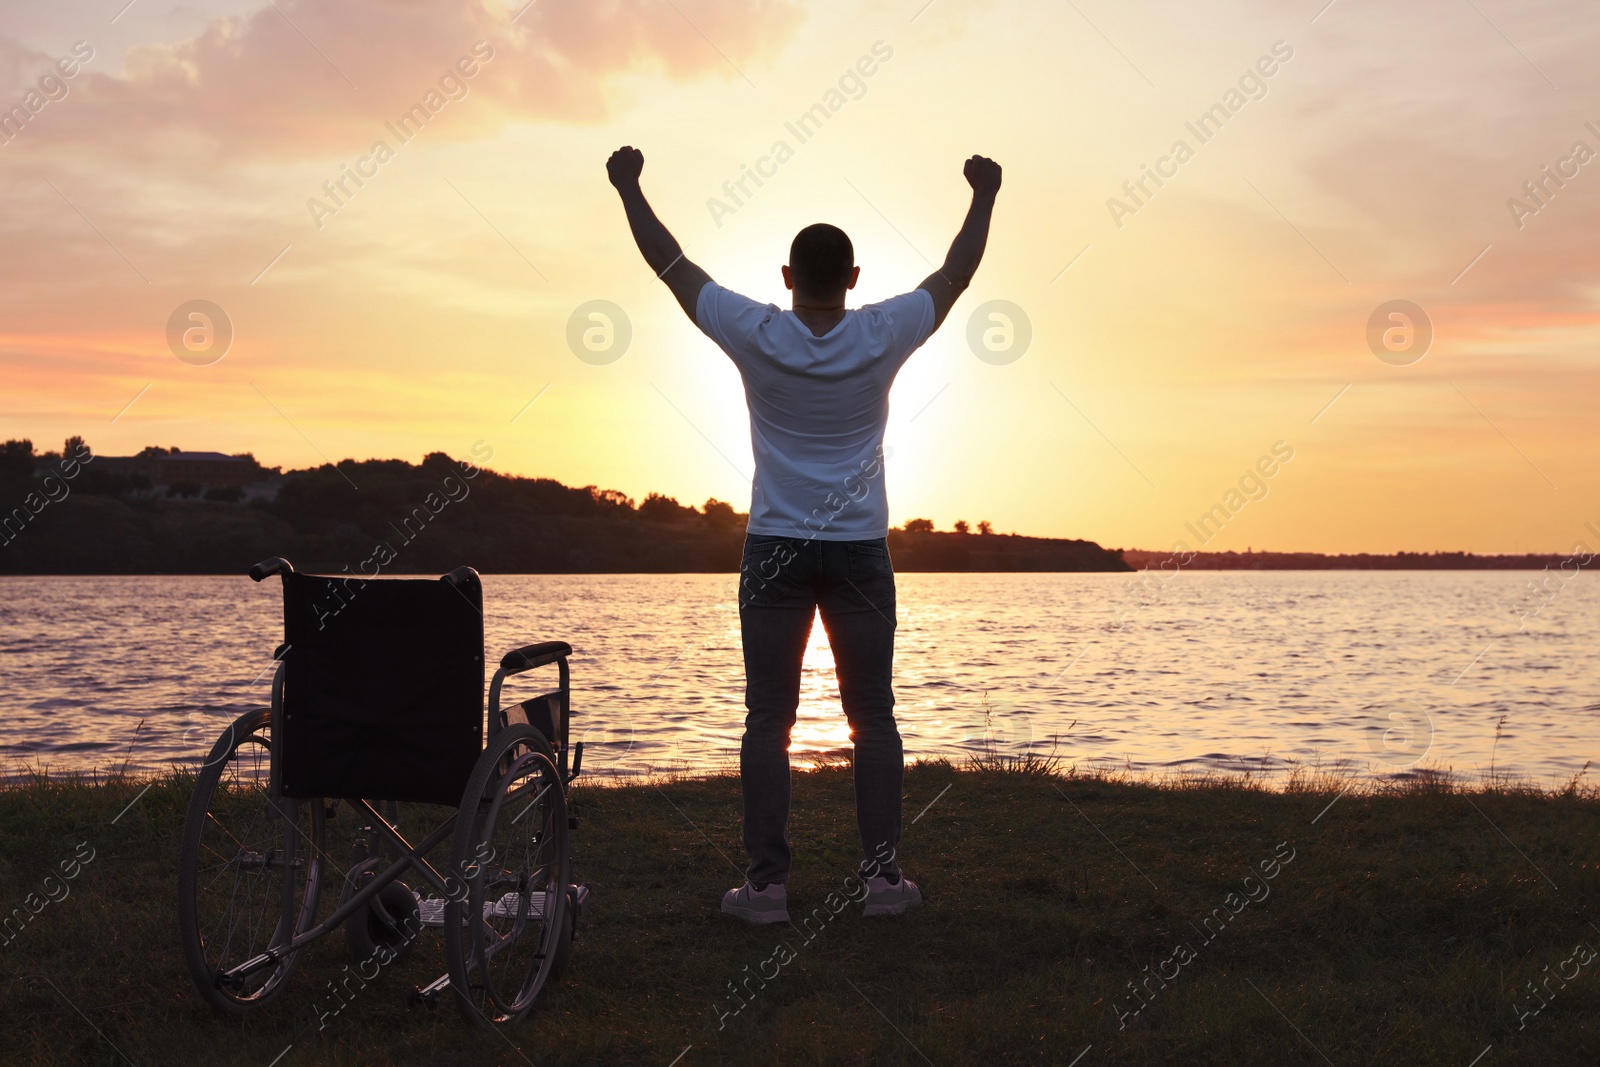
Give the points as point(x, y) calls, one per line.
point(817, 381)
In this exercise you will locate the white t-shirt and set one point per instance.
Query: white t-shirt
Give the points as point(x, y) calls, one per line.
point(818, 407)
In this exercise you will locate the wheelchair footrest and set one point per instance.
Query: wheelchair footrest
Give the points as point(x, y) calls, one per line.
point(432, 909)
point(428, 996)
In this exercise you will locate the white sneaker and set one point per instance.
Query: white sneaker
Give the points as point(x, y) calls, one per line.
point(886, 899)
point(769, 905)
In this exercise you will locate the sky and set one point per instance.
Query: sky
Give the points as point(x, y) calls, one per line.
point(1181, 337)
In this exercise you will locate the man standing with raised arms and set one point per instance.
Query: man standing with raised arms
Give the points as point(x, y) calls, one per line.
point(817, 380)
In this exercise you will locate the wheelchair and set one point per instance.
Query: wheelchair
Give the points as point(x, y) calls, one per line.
point(378, 699)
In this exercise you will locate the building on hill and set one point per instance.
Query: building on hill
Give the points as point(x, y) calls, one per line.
point(208, 470)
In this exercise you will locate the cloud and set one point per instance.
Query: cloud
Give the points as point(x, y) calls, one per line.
point(311, 79)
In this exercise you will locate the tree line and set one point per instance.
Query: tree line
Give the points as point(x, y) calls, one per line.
point(330, 519)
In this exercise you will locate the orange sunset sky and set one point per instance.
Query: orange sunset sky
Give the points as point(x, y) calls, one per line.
point(1178, 333)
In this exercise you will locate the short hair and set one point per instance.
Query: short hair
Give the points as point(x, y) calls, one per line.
point(820, 259)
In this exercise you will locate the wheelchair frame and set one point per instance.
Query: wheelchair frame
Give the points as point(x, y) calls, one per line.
point(452, 887)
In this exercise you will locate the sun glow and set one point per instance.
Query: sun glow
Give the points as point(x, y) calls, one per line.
point(1173, 336)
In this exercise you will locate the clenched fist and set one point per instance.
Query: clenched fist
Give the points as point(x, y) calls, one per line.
point(983, 174)
point(627, 162)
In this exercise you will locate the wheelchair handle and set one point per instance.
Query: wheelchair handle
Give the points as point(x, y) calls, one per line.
point(528, 657)
point(268, 567)
point(461, 577)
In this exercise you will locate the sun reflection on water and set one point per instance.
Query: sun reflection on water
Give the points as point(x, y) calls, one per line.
point(820, 725)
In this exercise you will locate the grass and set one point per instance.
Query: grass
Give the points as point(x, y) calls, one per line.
point(1401, 925)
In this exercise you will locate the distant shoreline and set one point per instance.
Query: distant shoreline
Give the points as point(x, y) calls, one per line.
point(428, 518)
point(1140, 559)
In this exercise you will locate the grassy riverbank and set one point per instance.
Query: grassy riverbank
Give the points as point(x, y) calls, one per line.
point(1396, 927)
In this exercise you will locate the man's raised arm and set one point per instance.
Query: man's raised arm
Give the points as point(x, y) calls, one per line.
point(660, 249)
point(966, 251)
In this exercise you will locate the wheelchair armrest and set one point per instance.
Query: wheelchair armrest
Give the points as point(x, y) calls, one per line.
point(536, 655)
point(268, 567)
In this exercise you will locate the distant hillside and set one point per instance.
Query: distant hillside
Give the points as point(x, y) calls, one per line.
point(416, 519)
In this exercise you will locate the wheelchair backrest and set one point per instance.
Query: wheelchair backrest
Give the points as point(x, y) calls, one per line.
point(383, 687)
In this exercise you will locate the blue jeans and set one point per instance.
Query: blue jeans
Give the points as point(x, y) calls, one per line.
point(783, 583)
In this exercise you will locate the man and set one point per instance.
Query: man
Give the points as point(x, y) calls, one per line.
point(817, 381)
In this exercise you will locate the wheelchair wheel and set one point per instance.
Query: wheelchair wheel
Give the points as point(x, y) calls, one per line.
point(248, 868)
point(510, 865)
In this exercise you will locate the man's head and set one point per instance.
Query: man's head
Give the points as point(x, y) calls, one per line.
point(821, 265)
